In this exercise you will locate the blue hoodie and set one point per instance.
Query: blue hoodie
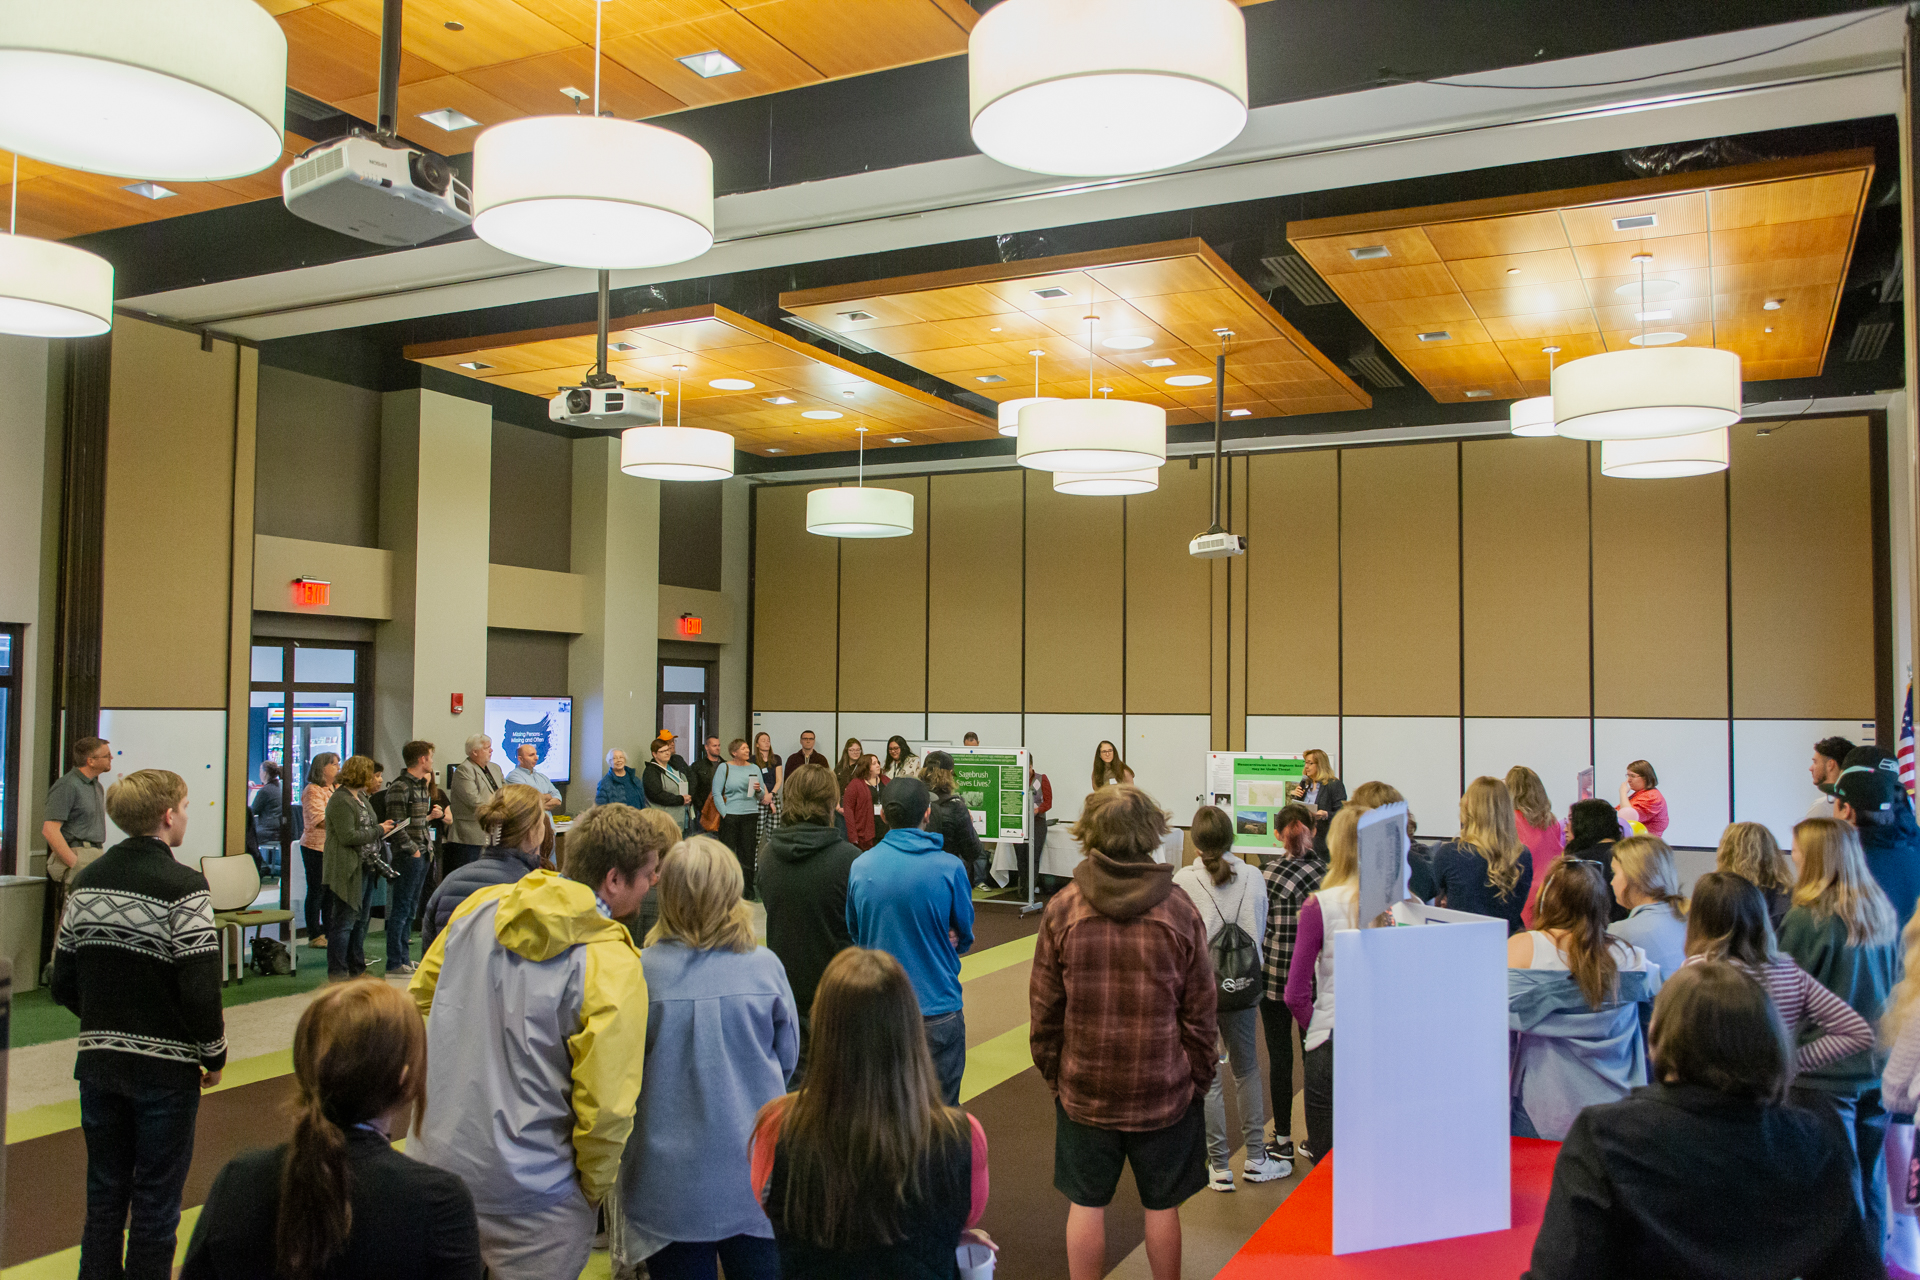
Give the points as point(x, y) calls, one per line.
point(903, 896)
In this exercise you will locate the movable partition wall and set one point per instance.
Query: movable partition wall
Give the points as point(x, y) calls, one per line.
point(1423, 612)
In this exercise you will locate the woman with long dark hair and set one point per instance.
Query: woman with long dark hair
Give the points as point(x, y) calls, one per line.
point(860, 803)
point(864, 1173)
point(337, 1202)
point(900, 762)
point(848, 763)
point(1108, 767)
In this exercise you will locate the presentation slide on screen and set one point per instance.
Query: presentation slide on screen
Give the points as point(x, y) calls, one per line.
point(545, 722)
point(993, 782)
point(1252, 788)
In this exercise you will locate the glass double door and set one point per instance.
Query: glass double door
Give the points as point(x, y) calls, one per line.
point(309, 703)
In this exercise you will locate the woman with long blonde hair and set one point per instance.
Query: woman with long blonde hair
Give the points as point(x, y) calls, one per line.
point(337, 1199)
point(864, 1173)
point(1321, 790)
point(1485, 869)
point(1647, 884)
point(722, 1038)
point(1534, 822)
point(1900, 1095)
point(1748, 850)
point(1843, 931)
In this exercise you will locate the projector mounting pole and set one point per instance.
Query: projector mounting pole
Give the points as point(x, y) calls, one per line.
point(600, 377)
point(388, 112)
point(1219, 422)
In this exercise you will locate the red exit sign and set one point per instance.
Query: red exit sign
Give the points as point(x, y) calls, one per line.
point(689, 624)
point(312, 593)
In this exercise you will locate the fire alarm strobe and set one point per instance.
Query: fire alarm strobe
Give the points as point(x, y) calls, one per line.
point(459, 703)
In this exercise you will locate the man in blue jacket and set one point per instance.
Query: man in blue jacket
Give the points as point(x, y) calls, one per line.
point(909, 897)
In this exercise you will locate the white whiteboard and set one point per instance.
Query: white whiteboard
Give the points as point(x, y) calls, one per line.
point(192, 744)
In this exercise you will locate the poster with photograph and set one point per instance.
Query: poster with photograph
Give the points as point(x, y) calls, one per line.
point(993, 784)
point(1252, 788)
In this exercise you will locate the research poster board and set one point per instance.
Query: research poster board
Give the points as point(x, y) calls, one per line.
point(993, 783)
point(1253, 786)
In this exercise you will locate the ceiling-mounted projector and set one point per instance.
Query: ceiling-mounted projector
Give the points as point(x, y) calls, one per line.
point(377, 188)
point(1214, 545)
point(610, 409)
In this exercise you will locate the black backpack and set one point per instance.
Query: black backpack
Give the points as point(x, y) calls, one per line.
point(271, 958)
point(1236, 960)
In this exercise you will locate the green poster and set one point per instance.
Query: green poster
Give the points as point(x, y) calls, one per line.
point(993, 785)
point(1261, 788)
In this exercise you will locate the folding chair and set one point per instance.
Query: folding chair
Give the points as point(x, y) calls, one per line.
point(235, 882)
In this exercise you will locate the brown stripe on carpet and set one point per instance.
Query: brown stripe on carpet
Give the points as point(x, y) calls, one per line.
point(47, 1177)
point(994, 924)
point(997, 1003)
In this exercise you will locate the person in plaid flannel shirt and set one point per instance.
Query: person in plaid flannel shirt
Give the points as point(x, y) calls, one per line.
point(1291, 875)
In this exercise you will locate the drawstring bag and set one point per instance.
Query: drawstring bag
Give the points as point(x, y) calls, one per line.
point(1236, 959)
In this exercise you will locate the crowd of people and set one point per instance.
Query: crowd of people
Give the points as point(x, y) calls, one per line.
point(605, 1042)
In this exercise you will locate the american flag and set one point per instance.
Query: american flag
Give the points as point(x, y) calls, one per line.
point(1904, 751)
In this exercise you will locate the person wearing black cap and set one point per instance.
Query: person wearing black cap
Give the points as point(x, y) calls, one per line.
point(948, 815)
point(1868, 795)
point(906, 896)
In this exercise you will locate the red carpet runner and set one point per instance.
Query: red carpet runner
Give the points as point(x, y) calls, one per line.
point(1297, 1241)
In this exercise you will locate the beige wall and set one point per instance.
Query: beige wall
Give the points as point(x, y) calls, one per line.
point(535, 599)
point(360, 578)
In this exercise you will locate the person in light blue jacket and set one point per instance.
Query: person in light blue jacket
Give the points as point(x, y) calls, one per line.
point(909, 897)
point(1574, 997)
point(722, 1041)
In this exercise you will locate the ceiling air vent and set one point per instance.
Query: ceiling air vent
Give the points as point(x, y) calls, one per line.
point(1636, 222)
point(856, 316)
point(1373, 370)
point(1300, 279)
point(1051, 292)
point(1369, 252)
point(1870, 336)
point(1437, 335)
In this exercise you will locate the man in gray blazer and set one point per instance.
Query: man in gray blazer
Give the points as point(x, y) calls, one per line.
point(475, 779)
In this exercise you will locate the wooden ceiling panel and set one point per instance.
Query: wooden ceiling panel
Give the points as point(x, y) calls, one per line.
point(432, 95)
point(491, 31)
point(844, 37)
point(1495, 237)
point(1469, 394)
point(1406, 247)
point(532, 86)
point(712, 342)
point(766, 65)
point(1458, 366)
point(1780, 230)
point(619, 17)
point(1175, 295)
point(332, 59)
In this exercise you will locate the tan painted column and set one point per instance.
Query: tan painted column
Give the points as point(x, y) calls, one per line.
point(613, 669)
point(436, 462)
point(736, 717)
point(32, 370)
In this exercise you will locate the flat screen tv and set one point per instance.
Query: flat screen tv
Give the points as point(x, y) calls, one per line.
point(545, 722)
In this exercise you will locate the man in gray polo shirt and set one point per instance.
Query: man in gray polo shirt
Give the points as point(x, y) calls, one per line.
point(76, 812)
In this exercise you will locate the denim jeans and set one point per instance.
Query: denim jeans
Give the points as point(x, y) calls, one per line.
point(947, 1040)
point(1319, 1091)
point(139, 1146)
point(744, 1257)
point(347, 933)
point(403, 899)
point(1865, 1119)
point(1240, 1030)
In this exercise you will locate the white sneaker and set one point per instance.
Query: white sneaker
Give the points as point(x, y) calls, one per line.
point(1267, 1168)
point(1220, 1180)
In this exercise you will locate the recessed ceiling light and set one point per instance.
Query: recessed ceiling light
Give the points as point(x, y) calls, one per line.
point(1657, 339)
point(1368, 252)
point(621, 346)
point(995, 329)
point(449, 119)
point(151, 190)
point(1160, 362)
point(988, 377)
point(1769, 328)
point(1653, 315)
point(1513, 271)
point(1654, 289)
point(1051, 292)
point(709, 64)
point(1126, 343)
point(1636, 222)
point(474, 364)
point(456, 26)
point(1438, 335)
point(1479, 395)
point(776, 451)
point(1189, 380)
point(781, 400)
point(573, 93)
point(1771, 304)
point(856, 315)
point(897, 440)
point(820, 415)
point(1239, 413)
point(730, 384)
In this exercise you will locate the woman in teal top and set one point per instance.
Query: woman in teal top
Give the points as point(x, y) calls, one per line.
point(739, 794)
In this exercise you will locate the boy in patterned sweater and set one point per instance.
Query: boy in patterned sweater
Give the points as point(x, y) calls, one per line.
point(138, 960)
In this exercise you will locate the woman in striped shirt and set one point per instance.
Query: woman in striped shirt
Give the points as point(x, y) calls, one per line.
point(1728, 921)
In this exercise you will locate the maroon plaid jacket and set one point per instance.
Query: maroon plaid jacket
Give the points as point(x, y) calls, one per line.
point(1125, 1014)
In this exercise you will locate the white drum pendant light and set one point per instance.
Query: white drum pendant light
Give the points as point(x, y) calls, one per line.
point(860, 512)
point(592, 191)
point(1106, 484)
point(1010, 409)
point(1534, 417)
point(167, 90)
point(1645, 394)
point(52, 290)
point(1665, 459)
point(676, 452)
point(1100, 88)
point(1092, 435)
